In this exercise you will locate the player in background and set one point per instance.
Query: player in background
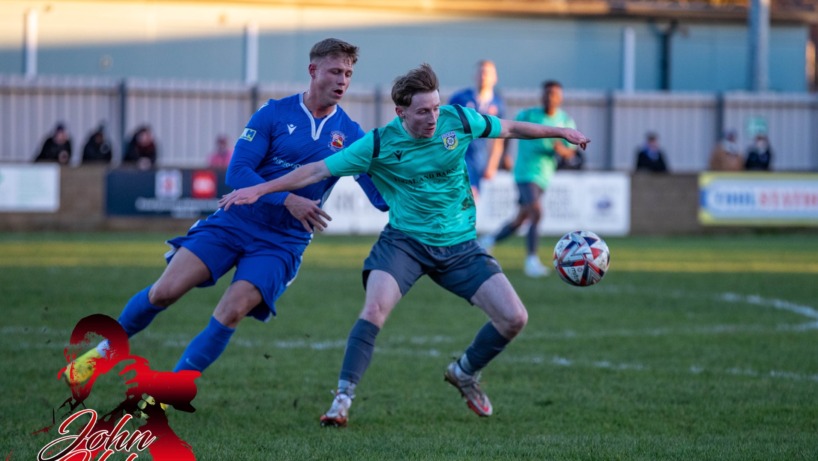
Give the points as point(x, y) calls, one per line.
point(483, 155)
point(264, 242)
point(533, 170)
point(416, 161)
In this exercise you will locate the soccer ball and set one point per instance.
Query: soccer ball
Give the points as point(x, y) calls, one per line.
point(581, 258)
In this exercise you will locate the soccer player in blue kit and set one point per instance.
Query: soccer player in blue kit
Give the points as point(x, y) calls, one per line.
point(264, 242)
point(416, 161)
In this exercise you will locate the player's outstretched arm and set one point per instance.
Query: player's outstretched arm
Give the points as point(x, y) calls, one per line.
point(305, 175)
point(526, 130)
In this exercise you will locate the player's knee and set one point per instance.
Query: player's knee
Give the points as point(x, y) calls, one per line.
point(514, 322)
point(518, 322)
point(161, 296)
point(375, 313)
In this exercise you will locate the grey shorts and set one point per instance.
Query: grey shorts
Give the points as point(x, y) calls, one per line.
point(528, 193)
point(460, 268)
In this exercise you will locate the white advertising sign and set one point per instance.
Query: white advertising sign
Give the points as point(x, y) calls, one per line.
point(575, 200)
point(599, 202)
point(29, 188)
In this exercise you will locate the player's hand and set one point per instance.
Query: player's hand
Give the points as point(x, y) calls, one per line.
point(575, 137)
point(307, 212)
point(243, 196)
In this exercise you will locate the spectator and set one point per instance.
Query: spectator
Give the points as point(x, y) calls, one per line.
point(97, 149)
point(726, 156)
point(650, 157)
point(57, 147)
point(483, 155)
point(142, 149)
point(759, 154)
point(220, 158)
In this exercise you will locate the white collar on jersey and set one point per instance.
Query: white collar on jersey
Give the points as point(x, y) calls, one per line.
point(316, 131)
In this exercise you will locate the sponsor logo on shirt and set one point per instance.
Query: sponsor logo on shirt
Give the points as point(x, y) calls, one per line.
point(290, 128)
point(337, 141)
point(248, 134)
point(398, 154)
point(449, 140)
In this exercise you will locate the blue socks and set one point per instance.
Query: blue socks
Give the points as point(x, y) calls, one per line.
point(358, 354)
point(486, 345)
point(138, 313)
point(206, 347)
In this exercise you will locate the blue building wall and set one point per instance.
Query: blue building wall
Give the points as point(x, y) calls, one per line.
point(583, 53)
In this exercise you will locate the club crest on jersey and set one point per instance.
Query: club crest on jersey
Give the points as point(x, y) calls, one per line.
point(449, 140)
point(337, 141)
point(248, 134)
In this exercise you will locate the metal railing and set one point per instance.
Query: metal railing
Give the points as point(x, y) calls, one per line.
point(187, 116)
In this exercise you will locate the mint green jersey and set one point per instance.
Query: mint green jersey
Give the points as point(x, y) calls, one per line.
point(536, 158)
point(424, 181)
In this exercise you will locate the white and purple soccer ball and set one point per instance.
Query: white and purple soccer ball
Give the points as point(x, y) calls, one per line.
point(581, 258)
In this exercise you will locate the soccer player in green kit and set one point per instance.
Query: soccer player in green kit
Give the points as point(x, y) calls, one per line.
point(533, 170)
point(417, 163)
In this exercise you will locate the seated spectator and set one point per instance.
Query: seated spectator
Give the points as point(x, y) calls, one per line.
point(220, 158)
point(97, 149)
point(57, 147)
point(726, 156)
point(141, 150)
point(650, 156)
point(759, 154)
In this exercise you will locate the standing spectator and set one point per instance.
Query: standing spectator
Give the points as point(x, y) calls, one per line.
point(726, 156)
point(759, 154)
point(483, 155)
point(650, 157)
point(533, 170)
point(220, 158)
point(57, 147)
point(97, 149)
point(142, 149)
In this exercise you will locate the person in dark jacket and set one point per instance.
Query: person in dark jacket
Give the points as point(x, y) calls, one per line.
point(97, 149)
point(57, 147)
point(650, 156)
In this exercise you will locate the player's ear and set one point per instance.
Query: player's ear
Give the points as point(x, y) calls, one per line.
point(312, 67)
point(399, 111)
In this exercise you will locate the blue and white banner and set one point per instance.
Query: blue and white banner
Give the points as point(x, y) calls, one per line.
point(758, 199)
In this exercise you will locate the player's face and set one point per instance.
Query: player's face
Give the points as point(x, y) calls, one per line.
point(331, 77)
point(486, 75)
point(552, 98)
point(420, 117)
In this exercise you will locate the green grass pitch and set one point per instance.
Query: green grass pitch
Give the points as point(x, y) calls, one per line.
point(691, 348)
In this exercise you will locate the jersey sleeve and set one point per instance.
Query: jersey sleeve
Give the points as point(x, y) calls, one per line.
point(249, 152)
point(482, 126)
point(375, 198)
point(353, 159)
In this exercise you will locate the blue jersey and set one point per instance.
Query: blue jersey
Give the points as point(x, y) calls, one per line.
point(263, 241)
point(281, 136)
point(477, 154)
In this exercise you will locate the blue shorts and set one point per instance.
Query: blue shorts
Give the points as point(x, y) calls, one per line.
point(261, 256)
point(460, 268)
point(528, 193)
